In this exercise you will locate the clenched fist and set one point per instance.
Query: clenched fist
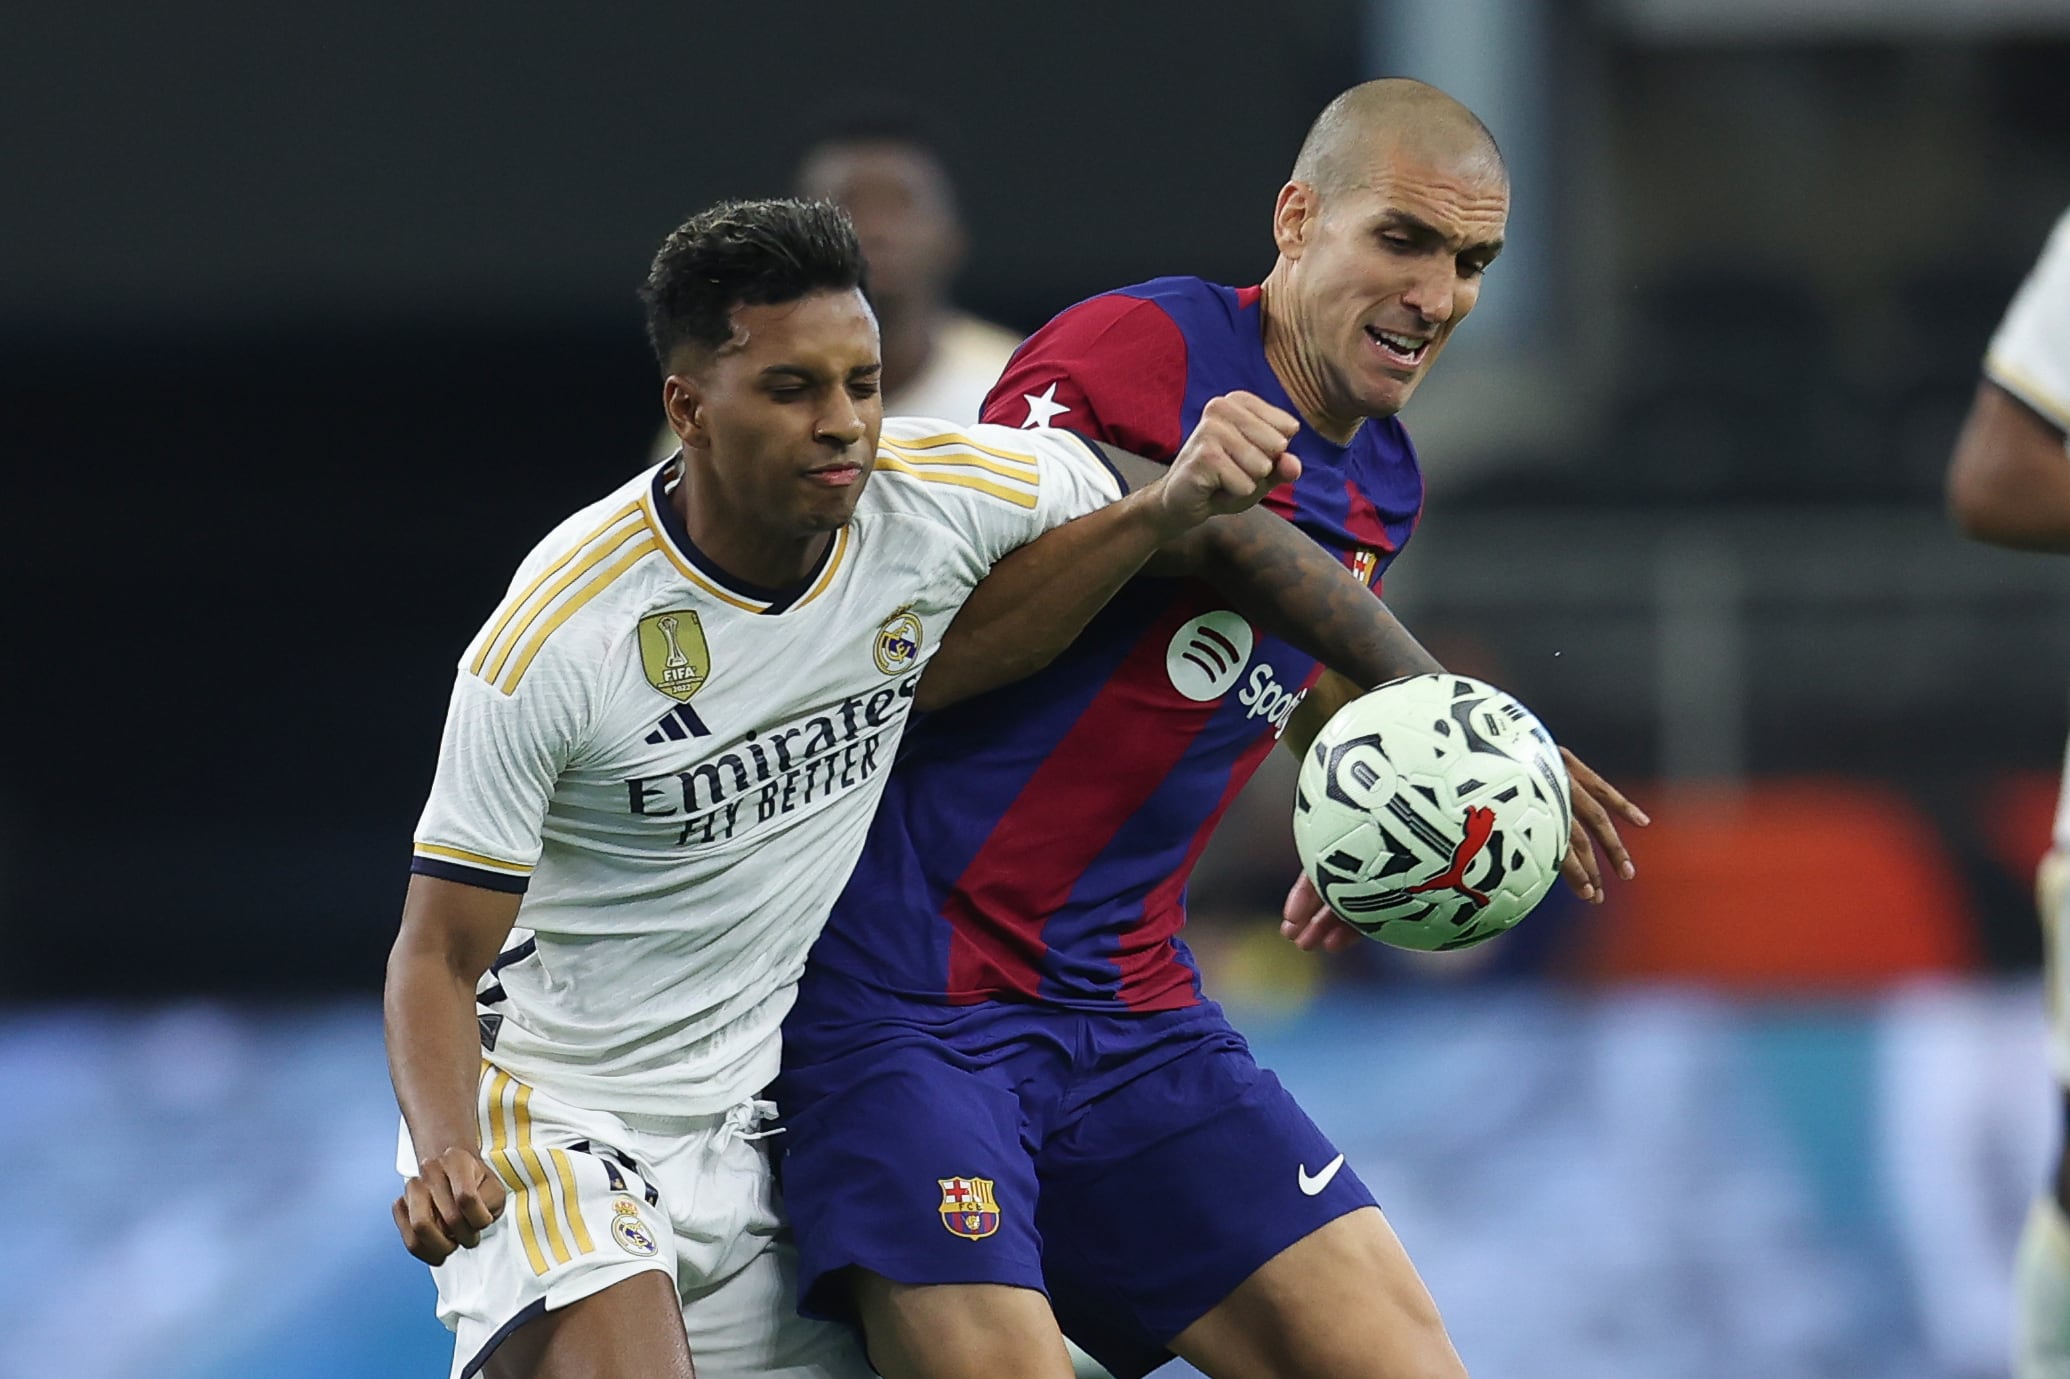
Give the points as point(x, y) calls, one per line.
point(1235, 456)
point(448, 1205)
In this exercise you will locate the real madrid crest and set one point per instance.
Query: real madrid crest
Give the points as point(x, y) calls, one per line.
point(897, 647)
point(673, 653)
point(630, 1231)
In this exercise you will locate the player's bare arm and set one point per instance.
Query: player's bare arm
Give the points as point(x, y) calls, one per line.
point(450, 934)
point(2009, 480)
point(1040, 597)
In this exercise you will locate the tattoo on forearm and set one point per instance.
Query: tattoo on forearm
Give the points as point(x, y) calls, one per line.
point(1286, 583)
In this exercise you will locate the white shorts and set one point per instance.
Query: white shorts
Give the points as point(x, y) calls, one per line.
point(596, 1198)
point(2052, 900)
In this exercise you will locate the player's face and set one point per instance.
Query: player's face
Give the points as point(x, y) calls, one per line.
point(1387, 271)
point(899, 199)
point(789, 412)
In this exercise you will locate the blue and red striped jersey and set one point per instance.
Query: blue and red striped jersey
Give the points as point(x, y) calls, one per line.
point(1034, 843)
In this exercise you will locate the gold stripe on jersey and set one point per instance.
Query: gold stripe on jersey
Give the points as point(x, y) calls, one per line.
point(958, 438)
point(685, 568)
point(826, 576)
point(932, 474)
point(573, 605)
point(2022, 384)
point(602, 551)
point(472, 859)
point(565, 1171)
point(520, 1204)
point(1024, 470)
point(512, 609)
point(554, 1239)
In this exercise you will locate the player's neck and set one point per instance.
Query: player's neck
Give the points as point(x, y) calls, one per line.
point(741, 543)
point(1296, 366)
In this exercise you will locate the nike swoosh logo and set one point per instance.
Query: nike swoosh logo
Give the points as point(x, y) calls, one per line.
point(1315, 1184)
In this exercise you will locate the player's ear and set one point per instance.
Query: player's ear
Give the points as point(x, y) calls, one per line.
point(1292, 216)
point(682, 399)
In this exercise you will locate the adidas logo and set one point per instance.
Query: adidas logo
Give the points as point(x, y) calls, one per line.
point(677, 724)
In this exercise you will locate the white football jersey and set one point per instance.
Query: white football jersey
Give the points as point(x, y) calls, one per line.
point(677, 771)
point(2030, 358)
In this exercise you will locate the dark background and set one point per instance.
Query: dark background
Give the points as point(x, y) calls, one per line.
point(312, 323)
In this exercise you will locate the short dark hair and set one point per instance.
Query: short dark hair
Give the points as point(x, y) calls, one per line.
point(744, 253)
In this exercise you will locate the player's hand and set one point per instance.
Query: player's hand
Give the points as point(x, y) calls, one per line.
point(448, 1205)
point(1235, 456)
point(1311, 924)
point(1597, 807)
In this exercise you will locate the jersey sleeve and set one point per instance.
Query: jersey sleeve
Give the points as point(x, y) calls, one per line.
point(498, 762)
point(996, 487)
point(2029, 357)
point(1112, 368)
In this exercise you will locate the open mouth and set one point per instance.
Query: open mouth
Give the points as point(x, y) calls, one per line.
point(1402, 351)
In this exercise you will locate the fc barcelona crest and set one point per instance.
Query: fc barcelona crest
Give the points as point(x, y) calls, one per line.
point(968, 1207)
point(1363, 561)
point(673, 653)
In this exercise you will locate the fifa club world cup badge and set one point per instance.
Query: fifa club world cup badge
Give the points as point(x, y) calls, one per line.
point(673, 653)
point(968, 1207)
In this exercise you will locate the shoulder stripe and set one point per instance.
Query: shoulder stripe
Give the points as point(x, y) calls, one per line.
point(826, 576)
point(517, 605)
point(473, 859)
point(1027, 471)
point(641, 549)
point(945, 438)
point(933, 475)
point(602, 552)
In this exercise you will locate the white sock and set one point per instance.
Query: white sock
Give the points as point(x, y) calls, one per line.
point(2041, 1294)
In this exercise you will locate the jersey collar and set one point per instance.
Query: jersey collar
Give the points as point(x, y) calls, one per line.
point(704, 572)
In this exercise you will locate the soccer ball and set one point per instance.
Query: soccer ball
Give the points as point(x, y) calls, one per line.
point(1433, 812)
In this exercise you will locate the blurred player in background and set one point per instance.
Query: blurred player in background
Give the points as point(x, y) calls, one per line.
point(661, 757)
point(939, 360)
point(1002, 1077)
point(2009, 484)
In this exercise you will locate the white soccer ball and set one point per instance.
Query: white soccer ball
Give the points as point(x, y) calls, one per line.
point(1433, 812)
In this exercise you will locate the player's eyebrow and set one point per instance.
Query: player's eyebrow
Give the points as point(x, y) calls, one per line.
point(776, 373)
point(806, 374)
point(1428, 233)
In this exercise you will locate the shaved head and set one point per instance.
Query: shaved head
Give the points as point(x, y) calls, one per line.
point(1397, 205)
point(1357, 129)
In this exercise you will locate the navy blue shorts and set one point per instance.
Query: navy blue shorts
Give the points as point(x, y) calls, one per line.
point(1135, 1167)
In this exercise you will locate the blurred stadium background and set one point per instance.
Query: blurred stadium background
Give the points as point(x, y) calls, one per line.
point(312, 321)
